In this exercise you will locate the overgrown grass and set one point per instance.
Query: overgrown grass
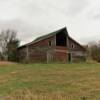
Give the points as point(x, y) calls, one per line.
point(50, 81)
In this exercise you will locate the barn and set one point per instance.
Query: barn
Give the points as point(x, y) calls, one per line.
point(57, 46)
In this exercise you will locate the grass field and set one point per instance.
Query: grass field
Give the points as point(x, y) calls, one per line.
point(50, 81)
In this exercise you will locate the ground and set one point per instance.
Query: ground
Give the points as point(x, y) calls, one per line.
point(50, 81)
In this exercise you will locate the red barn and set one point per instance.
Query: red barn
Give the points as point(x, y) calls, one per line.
point(57, 46)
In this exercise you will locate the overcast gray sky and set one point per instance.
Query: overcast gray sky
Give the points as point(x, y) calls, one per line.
point(33, 18)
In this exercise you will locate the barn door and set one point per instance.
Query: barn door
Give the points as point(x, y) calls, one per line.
point(49, 57)
point(69, 57)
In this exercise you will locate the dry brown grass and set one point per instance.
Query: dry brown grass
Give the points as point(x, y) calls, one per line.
point(5, 63)
point(27, 94)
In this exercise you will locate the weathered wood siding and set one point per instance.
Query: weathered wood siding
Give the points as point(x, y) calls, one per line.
point(42, 52)
point(37, 52)
point(77, 51)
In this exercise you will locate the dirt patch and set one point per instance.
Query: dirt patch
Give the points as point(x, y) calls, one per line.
point(2, 63)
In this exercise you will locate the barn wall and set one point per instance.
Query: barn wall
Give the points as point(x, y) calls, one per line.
point(44, 43)
point(58, 54)
point(22, 54)
point(78, 53)
point(78, 56)
point(74, 46)
point(39, 51)
point(60, 57)
point(36, 54)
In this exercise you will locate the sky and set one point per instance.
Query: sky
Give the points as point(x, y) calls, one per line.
point(33, 18)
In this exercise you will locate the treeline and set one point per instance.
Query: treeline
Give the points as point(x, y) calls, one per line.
point(94, 50)
point(8, 45)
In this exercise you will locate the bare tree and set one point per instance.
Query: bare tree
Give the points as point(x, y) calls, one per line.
point(7, 38)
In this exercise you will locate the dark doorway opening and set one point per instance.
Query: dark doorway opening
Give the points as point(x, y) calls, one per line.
point(61, 39)
point(69, 57)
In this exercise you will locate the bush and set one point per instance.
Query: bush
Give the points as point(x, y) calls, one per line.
point(94, 51)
